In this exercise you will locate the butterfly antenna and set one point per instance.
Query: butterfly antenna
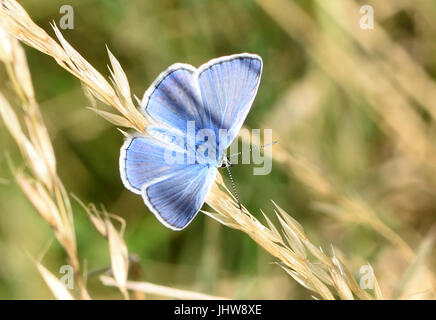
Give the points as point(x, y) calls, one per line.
point(234, 187)
point(255, 148)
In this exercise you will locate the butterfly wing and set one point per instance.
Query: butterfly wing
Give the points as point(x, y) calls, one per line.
point(142, 161)
point(174, 99)
point(176, 200)
point(228, 86)
point(216, 96)
point(173, 192)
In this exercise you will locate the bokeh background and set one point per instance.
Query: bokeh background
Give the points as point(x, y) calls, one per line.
point(357, 106)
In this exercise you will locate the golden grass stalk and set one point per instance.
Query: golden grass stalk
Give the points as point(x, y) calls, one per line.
point(380, 73)
point(117, 247)
point(417, 266)
point(119, 256)
point(345, 208)
point(42, 187)
point(323, 274)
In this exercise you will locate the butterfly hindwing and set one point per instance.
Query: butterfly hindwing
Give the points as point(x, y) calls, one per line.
point(173, 192)
point(177, 199)
point(142, 161)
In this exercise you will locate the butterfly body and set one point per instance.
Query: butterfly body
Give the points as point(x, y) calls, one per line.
point(194, 115)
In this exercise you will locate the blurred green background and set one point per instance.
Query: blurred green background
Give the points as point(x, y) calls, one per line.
point(329, 92)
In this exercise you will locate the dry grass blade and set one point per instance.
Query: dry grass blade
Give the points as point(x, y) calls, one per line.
point(119, 257)
point(43, 188)
point(42, 202)
point(377, 290)
point(163, 291)
point(416, 266)
point(319, 275)
point(297, 277)
point(112, 118)
point(49, 198)
point(95, 217)
point(56, 287)
point(345, 208)
point(119, 78)
point(5, 44)
point(36, 161)
point(340, 283)
point(117, 247)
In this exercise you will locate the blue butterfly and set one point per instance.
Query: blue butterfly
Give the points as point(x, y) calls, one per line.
point(172, 171)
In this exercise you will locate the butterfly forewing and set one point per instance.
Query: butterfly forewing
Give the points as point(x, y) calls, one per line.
point(228, 86)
